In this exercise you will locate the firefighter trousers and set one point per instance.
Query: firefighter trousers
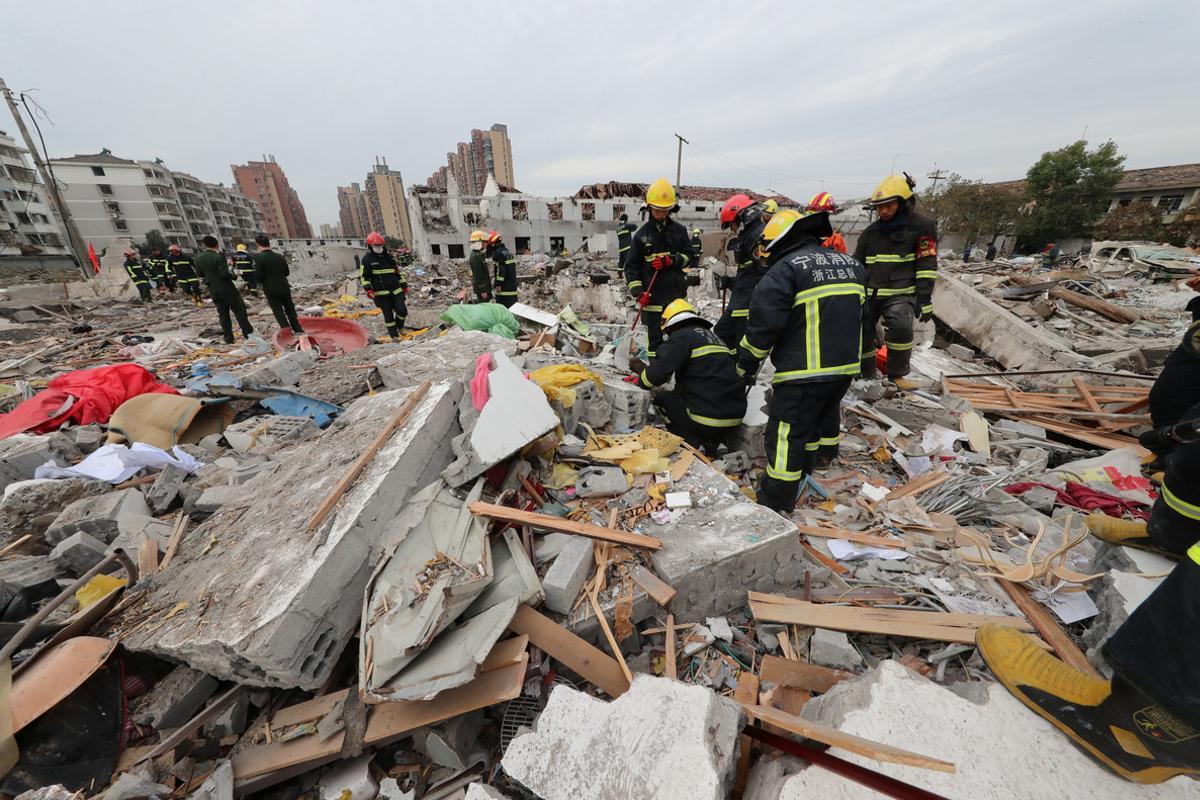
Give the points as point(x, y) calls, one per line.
point(394, 309)
point(673, 413)
point(797, 414)
point(897, 315)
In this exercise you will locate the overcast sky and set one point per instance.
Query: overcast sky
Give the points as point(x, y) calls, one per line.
point(797, 97)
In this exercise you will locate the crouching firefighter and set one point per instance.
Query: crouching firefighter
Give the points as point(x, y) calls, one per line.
point(708, 400)
point(656, 259)
point(899, 250)
point(743, 217)
point(385, 284)
point(1144, 724)
point(807, 314)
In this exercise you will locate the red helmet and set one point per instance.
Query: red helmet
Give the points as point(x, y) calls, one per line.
point(822, 203)
point(734, 206)
point(374, 238)
point(175, 248)
point(493, 237)
point(130, 251)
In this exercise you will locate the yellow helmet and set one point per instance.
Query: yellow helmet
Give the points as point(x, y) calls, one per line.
point(478, 236)
point(677, 311)
point(893, 187)
point(661, 194)
point(770, 207)
point(779, 225)
point(241, 248)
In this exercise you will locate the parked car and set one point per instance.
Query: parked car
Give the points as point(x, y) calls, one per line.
point(1152, 258)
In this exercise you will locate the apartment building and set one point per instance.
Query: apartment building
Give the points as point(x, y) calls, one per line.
point(470, 163)
point(28, 224)
point(352, 211)
point(267, 185)
point(387, 209)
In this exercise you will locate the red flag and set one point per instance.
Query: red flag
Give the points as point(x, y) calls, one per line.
point(92, 257)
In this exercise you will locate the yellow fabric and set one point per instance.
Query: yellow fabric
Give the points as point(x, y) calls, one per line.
point(645, 462)
point(561, 476)
point(97, 589)
point(165, 420)
point(661, 194)
point(892, 186)
point(556, 380)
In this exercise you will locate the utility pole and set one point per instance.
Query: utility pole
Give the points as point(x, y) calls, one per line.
point(935, 176)
point(679, 159)
point(73, 238)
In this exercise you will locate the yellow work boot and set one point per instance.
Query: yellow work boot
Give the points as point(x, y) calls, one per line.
point(1116, 531)
point(906, 384)
point(1112, 720)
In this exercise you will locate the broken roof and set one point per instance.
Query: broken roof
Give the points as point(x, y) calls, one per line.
point(610, 189)
point(96, 158)
point(1151, 179)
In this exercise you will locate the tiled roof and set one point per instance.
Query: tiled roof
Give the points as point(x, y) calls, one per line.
point(716, 194)
point(1180, 176)
point(98, 158)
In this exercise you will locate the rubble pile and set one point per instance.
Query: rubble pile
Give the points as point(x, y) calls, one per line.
point(473, 564)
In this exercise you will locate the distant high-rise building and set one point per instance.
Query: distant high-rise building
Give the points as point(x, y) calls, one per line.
point(352, 210)
point(488, 153)
point(387, 210)
point(330, 231)
point(265, 183)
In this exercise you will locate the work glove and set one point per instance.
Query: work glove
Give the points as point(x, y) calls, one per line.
point(370, 294)
point(643, 300)
point(662, 261)
point(924, 311)
point(404, 289)
point(630, 379)
point(748, 376)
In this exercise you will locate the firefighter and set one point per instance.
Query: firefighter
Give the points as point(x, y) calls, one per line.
point(184, 271)
point(481, 282)
point(708, 401)
point(743, 217)
point(404, 257)
point(625, 230)
point(657, 256)
point(823, 202)
point(899, 250)
point(1144, 724)
point(506, 269)
point(385, 283)
point(212, 266)
point(769, 209)
point(243, 264)
point(137, 274)
point(159, 270)
point(806, 314)
point(697, 247)
point(271, 273)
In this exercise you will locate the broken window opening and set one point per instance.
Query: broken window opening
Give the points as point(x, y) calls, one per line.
point(588, 211)
point(618, 210)
point(520, 211)
point(554, 211)
point(455, 251)
point(521, 243)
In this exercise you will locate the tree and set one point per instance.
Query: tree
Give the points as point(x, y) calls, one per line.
point(1068, 189)
point(392, 243)
point(1137, 220)
point(979, 211)
point(1184, 230)
point(154, 239)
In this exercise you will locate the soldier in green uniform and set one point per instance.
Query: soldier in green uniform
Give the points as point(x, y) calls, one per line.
point(214, 269)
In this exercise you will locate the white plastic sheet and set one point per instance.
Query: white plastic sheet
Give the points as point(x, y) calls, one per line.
point(116, 463)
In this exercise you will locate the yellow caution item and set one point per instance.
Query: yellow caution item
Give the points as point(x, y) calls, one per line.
point(779, 225)
point(893, 187)
point(677, 311)
point(661, 194)
point(1114, 722)
point(97, 589)
point(556, 381)
point(241, 248)
point(770, 208)
point(1116, 531)
point(645, 462)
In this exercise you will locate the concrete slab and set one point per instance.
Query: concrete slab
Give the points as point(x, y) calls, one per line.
point(283, 370)
point(449, 357)
point(29, 507)
point(105, 517)
point(661, 739)
point(266, 434)
point(566, 576)
point(174, 699)
point(78, 553)
point(280, 603)
point(1029, 758)
point(20, 455)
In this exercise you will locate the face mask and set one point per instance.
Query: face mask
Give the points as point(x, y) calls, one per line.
point(376, 248)
point(476, 245)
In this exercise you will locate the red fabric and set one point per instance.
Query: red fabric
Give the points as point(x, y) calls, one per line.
point(1077, 495)
point(97, 392)
point(835, 242)
point(92, 257)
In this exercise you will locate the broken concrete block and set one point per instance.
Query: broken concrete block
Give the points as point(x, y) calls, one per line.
point(748, 436)
point(218, 785)
point(350, 779)
point(231, 721)
point(104, 517)
point(1022, 429)
point(450, 743)
point(516, 413)
point(23, 581)
point(599, 481)
point(175, 699)
point(661, 739)
point(163, 493)
point(285, 370)
point(833, 649)
point(389, 789)
point(133, 785)
point(450, 356)
point(513, 576)
point(896, 706)
point(960, 351)
point(29, 507)
point(87, 438)
point(244, 473)
point(566, 576)
point(630, 404)
point(22, 454)
point(78, 553)
point(1041, 498)
point(478, 791)
point(285, 600)
point(216, 497)
point(266, 434)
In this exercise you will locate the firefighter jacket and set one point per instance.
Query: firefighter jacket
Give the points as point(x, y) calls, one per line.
point(697, 250)
point(379, 273)
point(654, 238)
point(506, 271)
point(625, 232)
point(705, 374)
point(750, 268)
point(900, 255)
point(215, 271)
point(807, 315)
point(137, 271)
point(157, 267)
point(480, 280)
point(272, 270)
point(183, 267)
point(243, 262)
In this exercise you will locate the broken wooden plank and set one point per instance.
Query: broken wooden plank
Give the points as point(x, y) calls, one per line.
point(852, 536)
point(662, 592)
point(367, 456)
point(746, 693)
point(857, 594)
point(800, 674)
point(823, 559)
point(921, 483)
point(177, 532)
point(1049, 629)
point(561, 525)
point(681, 465)
point(846, 741)
point(147, 556)
point(608, 634)
point(670, 668)
point(572, 651)
point(1102, 307)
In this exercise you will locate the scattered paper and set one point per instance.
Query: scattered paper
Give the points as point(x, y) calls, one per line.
point(849, 551)
point(874, 493)
point(1068, 606)
point(116, 463)
point(679, 500)
point(939, 441)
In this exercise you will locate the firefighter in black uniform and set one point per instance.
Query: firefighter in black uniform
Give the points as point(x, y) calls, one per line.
point(385, 283)
point(506, 269)
point(806, 314)
point(184, 271)
point(624, 239)
point(656, 259)
point(697, 247)
point(159, 270)
point(481, 281)
point(137, 274)
point(900, 252)
point(743, 217)
point(708, 401)
point(243, 262)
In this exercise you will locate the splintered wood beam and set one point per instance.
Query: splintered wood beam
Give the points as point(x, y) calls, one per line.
point(561, 525)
